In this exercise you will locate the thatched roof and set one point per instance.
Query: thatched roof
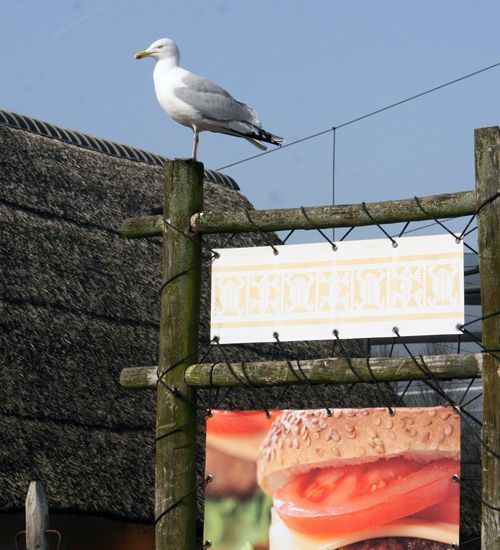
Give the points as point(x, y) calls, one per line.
point(79, 303)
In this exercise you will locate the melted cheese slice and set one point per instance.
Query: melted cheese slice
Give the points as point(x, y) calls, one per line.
point(283, 538)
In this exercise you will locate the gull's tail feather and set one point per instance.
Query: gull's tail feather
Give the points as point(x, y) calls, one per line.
point(263, 135)
point(250, 132)
point(257, 144)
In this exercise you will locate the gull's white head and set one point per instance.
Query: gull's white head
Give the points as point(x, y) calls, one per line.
point(164, 48)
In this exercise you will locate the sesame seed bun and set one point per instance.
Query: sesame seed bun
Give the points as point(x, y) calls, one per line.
point(301, 440)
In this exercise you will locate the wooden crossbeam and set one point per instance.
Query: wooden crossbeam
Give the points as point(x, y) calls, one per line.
point(334, 370)
point(450, 205)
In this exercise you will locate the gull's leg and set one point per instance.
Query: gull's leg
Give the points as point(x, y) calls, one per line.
point(195, 141)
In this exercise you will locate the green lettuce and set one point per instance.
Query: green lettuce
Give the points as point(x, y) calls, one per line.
point(232, 524)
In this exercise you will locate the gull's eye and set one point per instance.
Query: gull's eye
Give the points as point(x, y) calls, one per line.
point(160, 46)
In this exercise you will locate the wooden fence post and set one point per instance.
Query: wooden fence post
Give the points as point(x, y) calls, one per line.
point(175, 499)
point(487, 156)
point(37, 518)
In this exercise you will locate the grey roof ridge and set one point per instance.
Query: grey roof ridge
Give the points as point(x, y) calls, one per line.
point(23, 122)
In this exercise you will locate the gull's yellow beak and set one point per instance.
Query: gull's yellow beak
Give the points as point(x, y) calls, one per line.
point(140, 55)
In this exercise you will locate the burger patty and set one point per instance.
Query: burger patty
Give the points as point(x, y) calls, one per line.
point(398, 543)
point(231, 475)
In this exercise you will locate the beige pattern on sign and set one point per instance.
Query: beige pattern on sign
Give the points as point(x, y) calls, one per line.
point(333, 289)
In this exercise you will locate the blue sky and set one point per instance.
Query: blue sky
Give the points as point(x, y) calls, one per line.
point(304, 66)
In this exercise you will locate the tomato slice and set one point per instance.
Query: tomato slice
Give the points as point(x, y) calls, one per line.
point(336, 501)
point(447, 511)
point(239, 422)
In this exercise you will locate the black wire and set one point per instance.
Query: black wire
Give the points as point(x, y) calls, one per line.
point(221, 400)
point(187, 270)
point(475, 339)
point(346, 356)
point(288, 236)
point(466, 391)
point(289, 365)
point(193, 237)
point(357, 119)
point(482, 318)
point(214, 254)
point(313, 226)
point(488, 505)
point(275, 250)
point(312, 136)
point(424, 226)
point(227, 241)
point(347, 232)
point(457, 239)
point(177, 363)
point(280, 397)
point(470, 231)
point(206, 354)
point(172, 389)
point(342, 399)
point(404, 228)
point(391, 351)
point(401, 397)
point(174, 431)
point(394, 243)
point(471, 400)
point(210, 385)
point(466, 415)
point(207, 479)
point(334, 345)
point(417, 200)
point(334, 140)
point(292, 370)
point(464, 230)
point(425, 370)
point(487, 201)
point(389, 407)
point(228, 364)
point(247, 382)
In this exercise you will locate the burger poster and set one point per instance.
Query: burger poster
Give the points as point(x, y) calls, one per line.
point(354, 479)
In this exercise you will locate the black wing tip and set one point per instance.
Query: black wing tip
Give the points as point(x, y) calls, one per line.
point(267, 137)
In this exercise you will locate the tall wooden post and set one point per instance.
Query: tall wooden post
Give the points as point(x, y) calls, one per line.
point(37, 517)
point(180, 311)
point(487, 154)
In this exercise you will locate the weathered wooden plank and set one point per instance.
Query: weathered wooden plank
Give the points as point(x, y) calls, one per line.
point(37, 517)
point(346, 215)
point(334, 370)
point(175, 500)
point(144, 226)
point(139, 378)
point(487, 156)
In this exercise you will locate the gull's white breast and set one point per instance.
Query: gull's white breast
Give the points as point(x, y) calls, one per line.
point(166, 80)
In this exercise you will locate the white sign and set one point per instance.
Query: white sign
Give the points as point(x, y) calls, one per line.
point(363, 289)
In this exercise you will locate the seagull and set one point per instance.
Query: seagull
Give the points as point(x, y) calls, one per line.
point(199, 103)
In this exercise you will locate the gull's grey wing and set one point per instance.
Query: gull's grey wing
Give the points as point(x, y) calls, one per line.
point(213, 102)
